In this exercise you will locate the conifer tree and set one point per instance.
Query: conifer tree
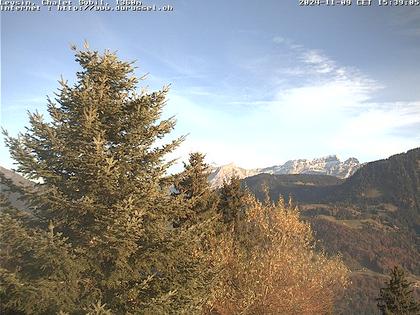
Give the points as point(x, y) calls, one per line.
point(193, 185)
point(101, 212)
point(232, 197)
point(396, 298)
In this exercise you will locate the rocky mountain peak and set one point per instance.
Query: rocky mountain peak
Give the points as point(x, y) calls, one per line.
point(328, 165)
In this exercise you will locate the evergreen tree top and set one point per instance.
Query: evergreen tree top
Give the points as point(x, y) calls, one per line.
point(101, 120)
point(396, 298)
point(103, 201)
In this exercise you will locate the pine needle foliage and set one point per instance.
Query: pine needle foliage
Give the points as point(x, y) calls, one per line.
point(396, 298)
point(232, 196)
point(193, 186)
point(101, 226)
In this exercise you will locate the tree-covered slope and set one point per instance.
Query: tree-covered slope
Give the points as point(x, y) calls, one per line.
point(371, 219)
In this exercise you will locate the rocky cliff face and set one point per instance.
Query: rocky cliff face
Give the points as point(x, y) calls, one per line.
point(221, 173)
point(329, 165)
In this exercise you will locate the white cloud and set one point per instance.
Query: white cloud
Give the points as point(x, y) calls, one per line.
point(320, 63)
point(375, 131)
point(316, 107)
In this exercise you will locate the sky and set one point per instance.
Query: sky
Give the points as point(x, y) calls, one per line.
point(254, 83)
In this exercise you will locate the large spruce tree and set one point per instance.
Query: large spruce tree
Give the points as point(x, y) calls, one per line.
point(396, 298)
point(100, 228)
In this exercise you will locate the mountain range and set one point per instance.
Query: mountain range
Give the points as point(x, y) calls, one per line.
point(329, 165)
point(367, 213)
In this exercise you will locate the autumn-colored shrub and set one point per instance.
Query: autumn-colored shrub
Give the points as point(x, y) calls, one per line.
point(270, 265)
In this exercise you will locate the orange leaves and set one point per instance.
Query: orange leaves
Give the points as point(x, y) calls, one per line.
point(270, 266)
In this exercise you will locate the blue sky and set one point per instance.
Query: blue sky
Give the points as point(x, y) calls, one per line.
point(252, 83)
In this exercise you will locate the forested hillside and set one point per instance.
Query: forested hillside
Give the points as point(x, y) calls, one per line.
point(370, 218)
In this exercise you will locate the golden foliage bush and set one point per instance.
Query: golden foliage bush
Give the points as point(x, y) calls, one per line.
point(270, 265)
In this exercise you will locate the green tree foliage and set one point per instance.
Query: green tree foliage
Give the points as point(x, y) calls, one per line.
point(231, 204)
point(396, 298)
point(39, 270)
point(101, 213)
point(192, 184)
point(101, 233)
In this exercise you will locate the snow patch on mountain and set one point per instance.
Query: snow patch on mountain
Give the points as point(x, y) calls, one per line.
point(328, 165)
